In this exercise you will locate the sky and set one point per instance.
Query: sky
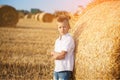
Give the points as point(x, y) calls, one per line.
point(46, 5)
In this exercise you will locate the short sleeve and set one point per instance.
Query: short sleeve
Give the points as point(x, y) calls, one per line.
point(67, 44)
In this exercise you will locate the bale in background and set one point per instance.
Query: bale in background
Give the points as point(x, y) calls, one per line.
point(37, 16)
point(21, 15)
point(45, 17)
point(8, 16)
point(97, 36)
point(33, 16)
point(28, 16)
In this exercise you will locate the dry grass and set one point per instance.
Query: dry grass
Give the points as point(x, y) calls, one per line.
point(25, 51)
point(97, 34)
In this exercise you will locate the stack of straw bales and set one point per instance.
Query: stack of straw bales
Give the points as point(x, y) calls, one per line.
point(44, 17)
point(97, 36)
point(8, 16)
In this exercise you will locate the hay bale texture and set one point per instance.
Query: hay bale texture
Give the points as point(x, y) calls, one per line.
point(97, 35)
point(8, 16)
point(44, 17)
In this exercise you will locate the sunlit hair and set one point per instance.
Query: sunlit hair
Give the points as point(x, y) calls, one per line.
point(63, 19)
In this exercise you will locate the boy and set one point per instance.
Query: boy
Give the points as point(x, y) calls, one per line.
point(64, 51)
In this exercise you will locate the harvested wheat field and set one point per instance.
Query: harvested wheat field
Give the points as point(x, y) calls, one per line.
point(25, 51)
point(97, 35)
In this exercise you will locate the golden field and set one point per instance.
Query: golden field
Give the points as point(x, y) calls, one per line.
point(25, 50)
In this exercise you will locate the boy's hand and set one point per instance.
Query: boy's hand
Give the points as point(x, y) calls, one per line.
point(52, 53)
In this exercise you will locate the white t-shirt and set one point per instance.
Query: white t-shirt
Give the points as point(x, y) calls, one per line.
point(66, 43)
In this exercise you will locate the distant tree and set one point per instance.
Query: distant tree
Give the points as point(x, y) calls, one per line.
point(35, 10)
point(24, 11)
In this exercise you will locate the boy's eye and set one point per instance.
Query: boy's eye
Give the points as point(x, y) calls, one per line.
point(62, 27)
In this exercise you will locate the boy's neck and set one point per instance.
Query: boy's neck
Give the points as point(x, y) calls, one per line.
point(63, 34)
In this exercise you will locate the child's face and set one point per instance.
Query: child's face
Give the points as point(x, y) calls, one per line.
point(63, 28)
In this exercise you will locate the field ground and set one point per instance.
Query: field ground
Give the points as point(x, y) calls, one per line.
point(25, 50)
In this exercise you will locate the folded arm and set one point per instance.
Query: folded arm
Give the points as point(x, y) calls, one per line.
point(58, 55)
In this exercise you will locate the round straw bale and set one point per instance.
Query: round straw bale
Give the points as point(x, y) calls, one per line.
point(37, 16)
point(8, 16)
point(28, 16)
point(45, 17)
point(97, 36)
point(33, 16)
